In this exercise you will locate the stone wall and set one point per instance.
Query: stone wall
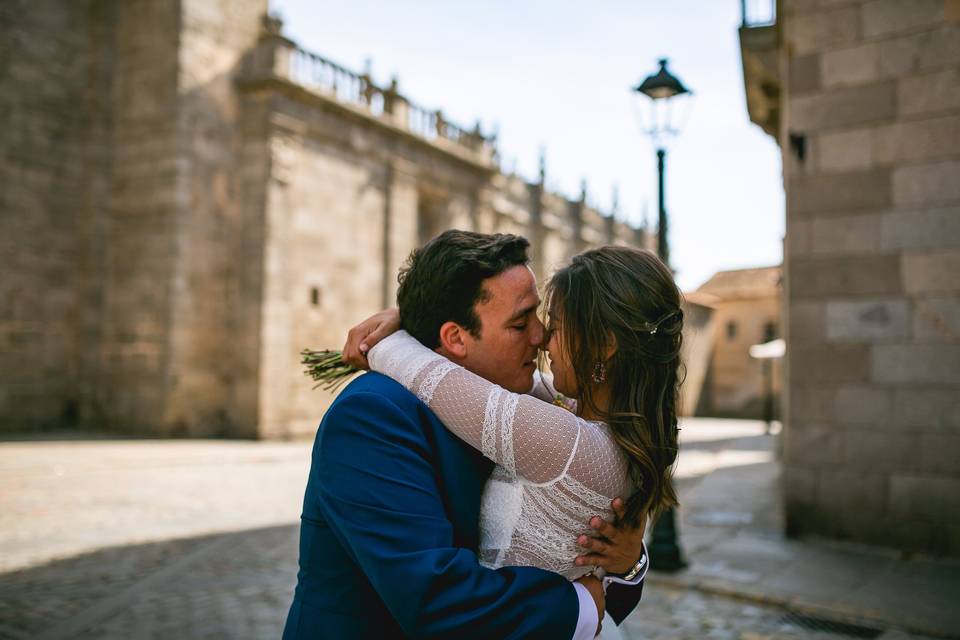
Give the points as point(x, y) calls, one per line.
point(189, 200)
point(120, 213)
point(737, 384)
point(347, 201)
point(56, 67)
point(872, 261)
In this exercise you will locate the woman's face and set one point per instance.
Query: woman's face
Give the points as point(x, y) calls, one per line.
point(564, 379)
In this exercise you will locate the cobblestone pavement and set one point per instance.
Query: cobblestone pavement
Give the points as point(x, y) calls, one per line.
point(238, 585)
point(666, 613)
point(160, 539)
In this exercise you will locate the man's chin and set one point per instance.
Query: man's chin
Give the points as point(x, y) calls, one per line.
point(523, 381)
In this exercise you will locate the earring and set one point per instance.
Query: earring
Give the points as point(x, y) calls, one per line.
point(599, 372)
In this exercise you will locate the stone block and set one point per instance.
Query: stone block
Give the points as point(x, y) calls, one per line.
point(857, 275)
point(850, 106)
point(939, 453)
point(809, 403)
point(868, 320)
point(929, 93)
point(797, 241)
point(862, 404)
point(932, 272)
point(884, 17)
point(918, 408)
point(874, 451)
point(930, 229)
point(793, 7)
point(854, 489)
point(912, 534)
point(937, 319)
point(946, 539)
point(927, 184)
point(814, 447)
point(807, 321)
point(928, 139)
point(846, 235)
point(926, 497)
point(800, 484)
point(845, 150)
point(935, 364)
point(818, 364)
point(804, 74)
point(839, 193)
point(920, 51)
point(862, 526)
point(813, 31)
point(851, 66)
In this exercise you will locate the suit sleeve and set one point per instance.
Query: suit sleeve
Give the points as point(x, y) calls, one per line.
point(622, 599)
point(379, 493)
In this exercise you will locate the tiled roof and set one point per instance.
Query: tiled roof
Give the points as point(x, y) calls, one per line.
point(759, 282)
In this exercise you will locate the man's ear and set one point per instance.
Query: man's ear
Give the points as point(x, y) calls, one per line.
point(452, 339)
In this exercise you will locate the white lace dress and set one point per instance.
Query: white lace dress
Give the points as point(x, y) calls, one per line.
point(554, 470)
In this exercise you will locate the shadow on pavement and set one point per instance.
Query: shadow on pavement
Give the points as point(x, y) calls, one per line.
point(235, 585)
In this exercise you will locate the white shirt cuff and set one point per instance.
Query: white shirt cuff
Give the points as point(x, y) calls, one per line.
point(589, 619)
point(637, 579)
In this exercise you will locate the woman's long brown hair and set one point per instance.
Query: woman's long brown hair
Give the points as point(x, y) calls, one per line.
point(627, 298)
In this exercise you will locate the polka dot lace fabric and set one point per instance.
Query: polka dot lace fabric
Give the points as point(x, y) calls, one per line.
point(554, 470)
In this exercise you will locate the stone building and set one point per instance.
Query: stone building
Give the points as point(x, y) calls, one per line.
point(864, 98)
point(188, 198)
point(746, 311)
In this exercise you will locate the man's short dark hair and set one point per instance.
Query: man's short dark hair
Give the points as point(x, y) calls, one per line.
point(443, 280)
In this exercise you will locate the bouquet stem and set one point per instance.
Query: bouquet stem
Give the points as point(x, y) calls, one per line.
point(327, 368)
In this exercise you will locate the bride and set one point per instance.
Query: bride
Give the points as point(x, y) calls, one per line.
point(605, 425)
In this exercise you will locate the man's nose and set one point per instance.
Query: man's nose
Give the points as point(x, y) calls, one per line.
point(537, 333)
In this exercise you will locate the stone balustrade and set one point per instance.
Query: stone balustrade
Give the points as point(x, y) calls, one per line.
point(277, 57)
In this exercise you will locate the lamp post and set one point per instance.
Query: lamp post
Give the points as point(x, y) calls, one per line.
point(663, 88)
point(661, 122)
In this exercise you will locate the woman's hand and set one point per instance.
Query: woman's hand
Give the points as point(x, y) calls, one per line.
point(595, 587)
point(362, 337)
point(616, 549)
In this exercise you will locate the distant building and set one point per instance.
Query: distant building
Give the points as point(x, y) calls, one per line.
point(864, 99)
point(746, 311)
point(189, 199)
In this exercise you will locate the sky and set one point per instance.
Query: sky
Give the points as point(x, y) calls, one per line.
point(557, 75)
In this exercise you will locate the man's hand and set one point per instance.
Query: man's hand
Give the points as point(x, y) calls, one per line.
point(595, 587)
point(616, 549)
point(362, 337)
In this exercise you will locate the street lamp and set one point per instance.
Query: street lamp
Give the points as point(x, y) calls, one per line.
point(663, 119)
point(662, 122)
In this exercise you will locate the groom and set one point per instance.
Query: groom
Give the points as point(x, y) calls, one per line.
point(390, 517)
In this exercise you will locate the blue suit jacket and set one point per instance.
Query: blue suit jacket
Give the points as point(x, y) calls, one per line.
point(389, 529)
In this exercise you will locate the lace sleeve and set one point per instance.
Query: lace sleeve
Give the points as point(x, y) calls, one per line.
point(527, 437)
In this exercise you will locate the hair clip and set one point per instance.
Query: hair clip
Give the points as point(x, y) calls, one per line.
point(656, 325)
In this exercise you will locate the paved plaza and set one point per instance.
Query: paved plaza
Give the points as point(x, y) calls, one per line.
point(197, 539)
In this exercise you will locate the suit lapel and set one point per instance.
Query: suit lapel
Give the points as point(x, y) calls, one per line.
point(462, 472)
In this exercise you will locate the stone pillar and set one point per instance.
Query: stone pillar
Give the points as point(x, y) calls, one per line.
point(172, 276)
point(872, 255)
point(575, 212)
point(536, 231)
